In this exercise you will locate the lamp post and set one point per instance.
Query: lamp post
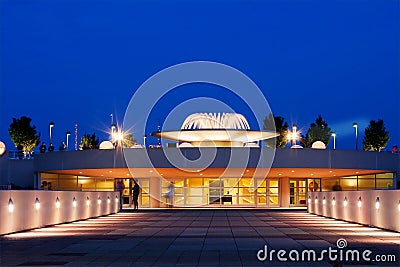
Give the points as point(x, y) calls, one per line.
point(51, 125)
point(68, 133)
point(355, 125)
point(334, 140)
point(144, 140)
point(113, 127)
point(293, 135)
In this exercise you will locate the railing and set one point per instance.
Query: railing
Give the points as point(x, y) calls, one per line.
point(18, 154)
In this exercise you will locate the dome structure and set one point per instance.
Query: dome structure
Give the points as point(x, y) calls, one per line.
point(216, 121)
point(216, 130)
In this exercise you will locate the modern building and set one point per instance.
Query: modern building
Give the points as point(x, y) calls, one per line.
point(175, 176)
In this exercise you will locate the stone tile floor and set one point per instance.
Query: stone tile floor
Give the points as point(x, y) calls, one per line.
point(193, 238)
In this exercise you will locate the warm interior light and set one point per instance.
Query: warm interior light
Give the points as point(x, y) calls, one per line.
point(74, 202)
point(87, 201)
point(10, 205)
point(37, 204)
point(359, 203)
point(345, 202)
point(58, 204)
point(377, 204)
point(99, 200)
point(108, 199)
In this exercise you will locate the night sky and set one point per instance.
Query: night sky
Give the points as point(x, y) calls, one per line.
point(79, 61)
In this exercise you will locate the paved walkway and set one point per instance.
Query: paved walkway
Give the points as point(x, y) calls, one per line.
point(191, 238)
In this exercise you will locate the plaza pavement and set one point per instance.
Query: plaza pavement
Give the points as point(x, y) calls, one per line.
point(191, 238)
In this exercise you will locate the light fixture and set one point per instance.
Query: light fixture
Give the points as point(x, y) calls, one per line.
point(110, 171)
point(359, 203)
point(309, 199)
point(292, 170)
point(108, 200)
point(99, 200)
point(58, 204)
point(345, 202)
point(201, 174)
point(87, 201)
point(333, 201)
point(316, 200)
point(74, 202)
point(334, 140)
point(10, 205)
point(355, 125)
point(116, 199)
point(37, 204)
point(398, 206)
point(377, 204)
point(323, 201)
point(312, 174)
point(280, 174)
point(330, 171)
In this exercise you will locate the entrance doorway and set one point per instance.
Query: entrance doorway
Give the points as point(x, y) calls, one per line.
point(298, 191)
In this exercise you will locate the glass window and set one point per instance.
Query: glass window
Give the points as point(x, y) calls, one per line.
point(364, 184)
point(273, 183)
point(384, 175)
point(348, 183)
point(384, 183)
point(329, 183)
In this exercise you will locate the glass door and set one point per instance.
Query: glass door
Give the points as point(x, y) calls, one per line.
point(298, 191)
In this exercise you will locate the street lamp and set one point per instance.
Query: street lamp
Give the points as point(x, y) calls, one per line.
point(68, 133)
point(294, 135)
point(144, 140)
point(51, 125)
point(113, 127)
point(334, 140)
point(355, 125)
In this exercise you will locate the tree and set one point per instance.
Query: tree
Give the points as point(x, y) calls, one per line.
point(376, 136)
point(23, 134)
point(278, 124)
point(89, 142)
point(128, 140)
point(318, 131)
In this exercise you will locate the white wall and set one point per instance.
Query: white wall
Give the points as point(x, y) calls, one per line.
point(25, 216)
point(387, 216)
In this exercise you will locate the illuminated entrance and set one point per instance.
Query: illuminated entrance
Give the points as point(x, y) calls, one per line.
point(220, 192)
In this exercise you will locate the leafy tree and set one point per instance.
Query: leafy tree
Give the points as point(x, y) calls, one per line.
point(128, 140)
point(318, 131)
point(278, 124)
point(89, 142)
point(376, 136)
point(23, 134)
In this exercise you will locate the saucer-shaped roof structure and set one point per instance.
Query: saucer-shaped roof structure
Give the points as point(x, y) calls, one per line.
point(215, 129)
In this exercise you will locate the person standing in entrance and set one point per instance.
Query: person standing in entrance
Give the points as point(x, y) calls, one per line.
point(135, 194)
point(120, 188)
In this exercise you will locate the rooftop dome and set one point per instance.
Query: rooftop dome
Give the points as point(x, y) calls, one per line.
point(215, 121)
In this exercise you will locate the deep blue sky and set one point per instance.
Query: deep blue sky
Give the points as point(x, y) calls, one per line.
point(68, 61)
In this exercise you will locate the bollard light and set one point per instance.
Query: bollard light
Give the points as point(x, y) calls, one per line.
point(58, 204)
point(359, 203)
point(116, 199)
point(87, 201)
point(323, 201)
point(316, 200)
point(108, 200)
point(99, 200)
point(309, 199)
point(345, 202)
point(333, 201)
point(10, 205)
point(37, 204)
point(74, 202)
point(377, 204)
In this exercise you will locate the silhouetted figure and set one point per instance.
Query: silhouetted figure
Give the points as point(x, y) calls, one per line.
point(337, 187)
point(62, 146)
point(42, 148)
point(51, 147)
point(120, 188)
point(135, 194)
